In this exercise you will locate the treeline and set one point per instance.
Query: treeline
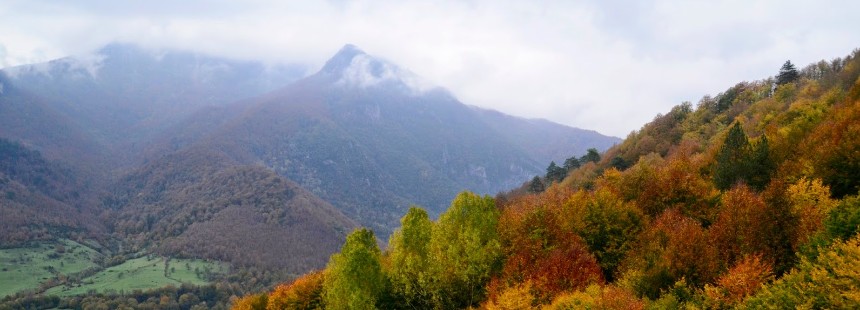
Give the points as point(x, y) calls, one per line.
point(748, 200)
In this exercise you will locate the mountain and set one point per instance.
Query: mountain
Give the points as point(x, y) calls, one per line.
point(122, 95)
point(30, 119)
point(373, 138)
point(545, 141)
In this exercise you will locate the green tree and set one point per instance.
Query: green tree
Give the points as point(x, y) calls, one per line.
point(619, 163)
point(554, 173)
point(591, 156)
point(732, 158)
point(536, 185)
point(787, 74)
point(465, 251)
point(759, 165)
point(571, 163)
point(610, 226)
point(409, 254)
point(355, 279)
point(738, 161)
point(829, 281)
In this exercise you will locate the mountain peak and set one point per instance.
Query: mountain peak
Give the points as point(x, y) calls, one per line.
point(352, 67)
point(342, 59)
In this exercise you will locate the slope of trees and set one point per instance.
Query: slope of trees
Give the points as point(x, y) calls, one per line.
point(749, 200)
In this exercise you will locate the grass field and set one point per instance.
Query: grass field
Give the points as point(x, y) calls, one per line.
point(27, 267)
point(143, 273)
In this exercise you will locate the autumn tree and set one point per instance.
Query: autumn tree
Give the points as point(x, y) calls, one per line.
point(609, 229)
point(354, 277)
point(787, 73)
point(409, 257)
point(543, 254)
point(464, 251)
point(739, 282)
point(305, 293)
point(829, 281)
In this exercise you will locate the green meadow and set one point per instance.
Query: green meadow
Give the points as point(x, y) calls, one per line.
point(26, 268)
point(49, 265)
point(141, 274)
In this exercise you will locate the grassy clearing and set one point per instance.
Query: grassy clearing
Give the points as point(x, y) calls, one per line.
point(26, 268)
point(143, 273)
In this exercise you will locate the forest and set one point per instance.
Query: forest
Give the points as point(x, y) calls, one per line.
point(747, 200)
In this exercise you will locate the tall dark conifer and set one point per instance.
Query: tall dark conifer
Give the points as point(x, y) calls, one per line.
point(731, 160)
point(787, 74)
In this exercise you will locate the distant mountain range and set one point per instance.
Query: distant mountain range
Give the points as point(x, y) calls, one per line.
point(198, 156)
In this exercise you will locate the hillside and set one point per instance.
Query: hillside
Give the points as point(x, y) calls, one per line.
point(40, 200)
point(200, 204)
point(748, 200)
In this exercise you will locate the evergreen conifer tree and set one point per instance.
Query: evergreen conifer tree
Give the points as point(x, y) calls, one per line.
point(787, 74)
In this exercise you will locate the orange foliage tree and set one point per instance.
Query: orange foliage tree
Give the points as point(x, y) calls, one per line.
point(303, 293)
point(542, 253)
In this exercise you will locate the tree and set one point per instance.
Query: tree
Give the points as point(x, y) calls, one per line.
point(465, 251)
point(571, 163)
point(731, 159)
point(592, 156)
point(619, 163)
point(828, 281)
point(409, 274)
point(304, 293)
point(610, 226)
point(355, 279)
point(739, 161)
point(536, 185)
point(554, 173)
point(787, 74)
point(759, 166)
point(541, 252)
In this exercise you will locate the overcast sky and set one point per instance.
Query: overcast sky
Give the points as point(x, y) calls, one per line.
point(604, 65)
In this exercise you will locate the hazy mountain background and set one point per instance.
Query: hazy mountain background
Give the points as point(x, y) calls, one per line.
point(266, 167)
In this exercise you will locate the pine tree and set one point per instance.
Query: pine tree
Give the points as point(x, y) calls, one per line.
point(571, 163)
point(536, 185)
point(592, 156)
point(554, 173)
point(787, 74)
point(759, 166)
point(732, 158)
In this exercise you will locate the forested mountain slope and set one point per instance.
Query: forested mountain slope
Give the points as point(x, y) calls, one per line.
point(747, 200)
point(40, 200)
point(199, 203)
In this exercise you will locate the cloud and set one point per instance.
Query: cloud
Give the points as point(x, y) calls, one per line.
point(605, 65)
